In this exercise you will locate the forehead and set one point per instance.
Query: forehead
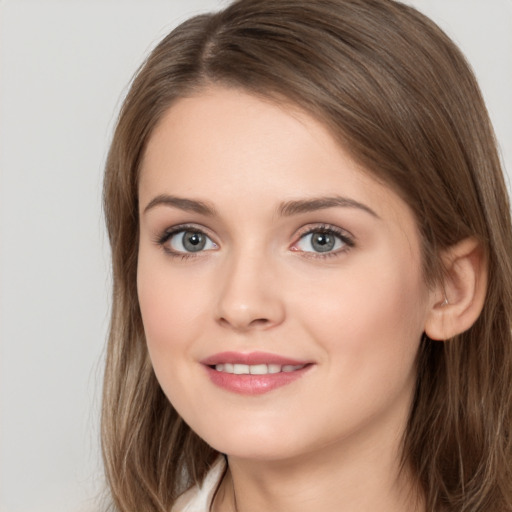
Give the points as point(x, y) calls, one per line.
point(227, 146)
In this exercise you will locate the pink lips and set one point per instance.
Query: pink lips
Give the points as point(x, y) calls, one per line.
point(250, 358)
point(253, 384)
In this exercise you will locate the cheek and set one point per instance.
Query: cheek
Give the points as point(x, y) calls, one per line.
point(170, 305)
point(369, 317)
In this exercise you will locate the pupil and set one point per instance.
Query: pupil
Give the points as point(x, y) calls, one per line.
point(193, 242)
point(322, 242)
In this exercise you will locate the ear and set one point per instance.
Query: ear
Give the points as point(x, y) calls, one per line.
point(458, 300)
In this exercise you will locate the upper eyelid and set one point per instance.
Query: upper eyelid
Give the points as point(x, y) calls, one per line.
point(172, 230)
point(311, 228)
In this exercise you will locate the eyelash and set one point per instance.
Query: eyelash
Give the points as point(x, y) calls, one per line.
point(167, 235)
point(343, 236)
point(327, 229)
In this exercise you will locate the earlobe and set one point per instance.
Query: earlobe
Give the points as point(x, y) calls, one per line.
point(458, 300)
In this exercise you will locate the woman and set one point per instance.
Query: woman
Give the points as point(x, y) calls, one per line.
point(311, 245)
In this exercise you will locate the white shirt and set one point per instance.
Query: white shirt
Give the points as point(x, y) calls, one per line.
point(199, 499)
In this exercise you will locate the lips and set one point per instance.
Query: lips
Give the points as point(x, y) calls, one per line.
point(253, 373)
point(251, 358)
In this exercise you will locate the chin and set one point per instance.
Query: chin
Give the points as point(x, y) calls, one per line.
point(250, 442)
point(274, 446)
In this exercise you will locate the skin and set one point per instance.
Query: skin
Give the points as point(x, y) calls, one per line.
point(331, 439)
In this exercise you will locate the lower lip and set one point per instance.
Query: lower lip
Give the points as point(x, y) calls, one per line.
point(254, 384)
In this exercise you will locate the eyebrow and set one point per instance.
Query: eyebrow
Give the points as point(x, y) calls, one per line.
point(286, 209)
point(188, 205)
point(321, 203)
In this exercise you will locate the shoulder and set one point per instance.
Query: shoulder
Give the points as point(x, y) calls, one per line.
point(199, 498)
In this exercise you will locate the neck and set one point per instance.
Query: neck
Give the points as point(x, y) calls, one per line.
point(361, 479)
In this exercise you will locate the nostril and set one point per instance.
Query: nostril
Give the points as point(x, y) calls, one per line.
point(224, 322)
point(244, 325)
point(259, 322)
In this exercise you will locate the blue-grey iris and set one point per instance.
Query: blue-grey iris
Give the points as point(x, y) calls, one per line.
point(193, 241)
point(323, 242)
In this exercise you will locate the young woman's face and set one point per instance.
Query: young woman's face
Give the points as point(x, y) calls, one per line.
point(280, 286)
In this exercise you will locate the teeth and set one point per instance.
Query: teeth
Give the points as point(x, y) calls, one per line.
point(240, 369)
point(256, 369)
point(274, 368)
point(289, 368)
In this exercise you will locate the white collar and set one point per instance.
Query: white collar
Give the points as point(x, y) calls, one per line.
point(199, 499)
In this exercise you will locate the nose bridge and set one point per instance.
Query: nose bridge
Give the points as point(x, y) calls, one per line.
point(248, 295)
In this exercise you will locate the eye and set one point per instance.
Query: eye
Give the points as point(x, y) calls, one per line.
point(323, 240)
point(188, 241)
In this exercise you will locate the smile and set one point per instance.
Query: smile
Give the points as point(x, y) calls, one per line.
point(257, 369)
point(254, 373)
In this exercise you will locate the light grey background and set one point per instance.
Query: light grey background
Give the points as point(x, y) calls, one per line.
point(64, 68)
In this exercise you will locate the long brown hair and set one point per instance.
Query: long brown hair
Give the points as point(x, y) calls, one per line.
point(402, 99)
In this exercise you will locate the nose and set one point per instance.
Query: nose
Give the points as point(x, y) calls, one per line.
point(249, 295)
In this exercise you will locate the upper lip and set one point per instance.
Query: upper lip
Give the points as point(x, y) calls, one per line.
point(251, 358)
